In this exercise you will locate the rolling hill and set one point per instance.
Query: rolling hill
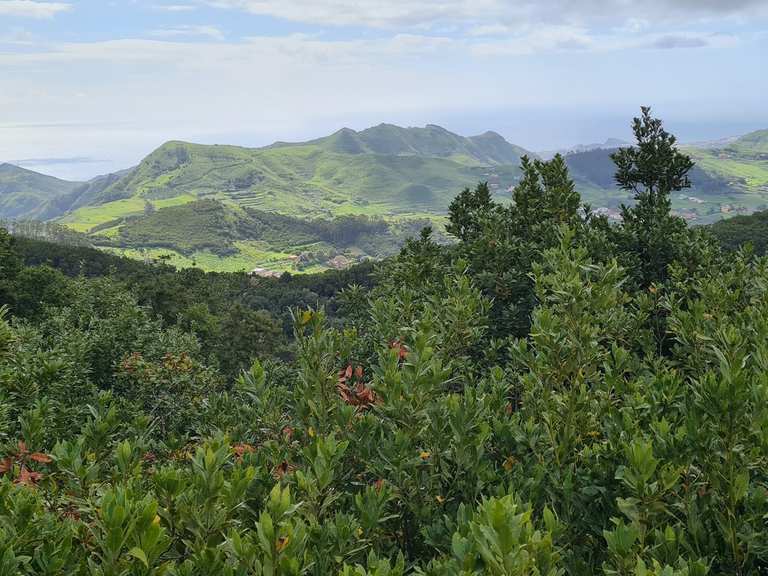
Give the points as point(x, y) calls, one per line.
point(23, 192)
point(385, 170)
point(400, 175)
point(404, 175)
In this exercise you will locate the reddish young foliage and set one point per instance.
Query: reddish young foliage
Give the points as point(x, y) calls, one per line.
point(402, 349)
point(41, 458)
point(23, 458)
point(353, 391)
point(28, 477)
point(242, 449)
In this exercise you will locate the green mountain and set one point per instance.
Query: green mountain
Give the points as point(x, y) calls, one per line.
point(23, 191)
point(408, 176)
point(431, 141)
point(752, 145)
point(385, 170)
point(732, 179)
point(401, 175)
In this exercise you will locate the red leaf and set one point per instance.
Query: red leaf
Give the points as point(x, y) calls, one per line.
point(28, 478)
point(6, 465)
point(241, 449)
point(41, 458)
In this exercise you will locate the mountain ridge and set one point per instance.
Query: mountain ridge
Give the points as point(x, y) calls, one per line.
point(22, 190)
point(381, 172)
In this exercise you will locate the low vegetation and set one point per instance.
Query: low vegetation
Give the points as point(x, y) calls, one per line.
point(551, 394)
point(742, 231)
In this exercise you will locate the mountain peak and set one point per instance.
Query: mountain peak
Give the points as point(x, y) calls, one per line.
point(490, 134)
point(14, 169)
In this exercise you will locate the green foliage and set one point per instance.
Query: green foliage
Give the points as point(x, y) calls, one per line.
point(410, 429)
point(650, 237)
point(740, 231)
point(501, 244)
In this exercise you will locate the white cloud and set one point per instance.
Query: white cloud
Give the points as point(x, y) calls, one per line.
point(32, 9)
point(175, 7)
point(18, 37)
point(490, 30)
point(188, 31)
point(372, 13)
point(537, 40)
point(492, 15)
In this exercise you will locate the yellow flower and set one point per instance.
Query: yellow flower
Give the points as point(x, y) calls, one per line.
point(156, 520)
point(282, 543)
point(359, 532)
point(311, 432)
point(425, 455)
point(439, 499)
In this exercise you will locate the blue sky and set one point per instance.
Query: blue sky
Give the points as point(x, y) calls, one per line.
point(87, 87)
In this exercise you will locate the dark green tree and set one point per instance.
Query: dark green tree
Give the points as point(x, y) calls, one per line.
point(501, 243)
point(651, 237)
point(247, 334)
point(10, 264)
point(545, 197)
point(467, 211)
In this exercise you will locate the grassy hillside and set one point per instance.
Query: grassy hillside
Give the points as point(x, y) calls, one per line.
point(754, 144)
point(431, 141)
point(214, 236)
point(23, 191)
point(406, 175)
point(399, 174)
point(723, 183)
point(384, 170)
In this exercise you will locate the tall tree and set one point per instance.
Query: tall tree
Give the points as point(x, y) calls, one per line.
point(651, 237)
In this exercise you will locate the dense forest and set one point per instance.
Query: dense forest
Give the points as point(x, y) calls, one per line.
point(550, 394)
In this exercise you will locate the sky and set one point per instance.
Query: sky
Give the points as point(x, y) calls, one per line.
point(92, 86)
